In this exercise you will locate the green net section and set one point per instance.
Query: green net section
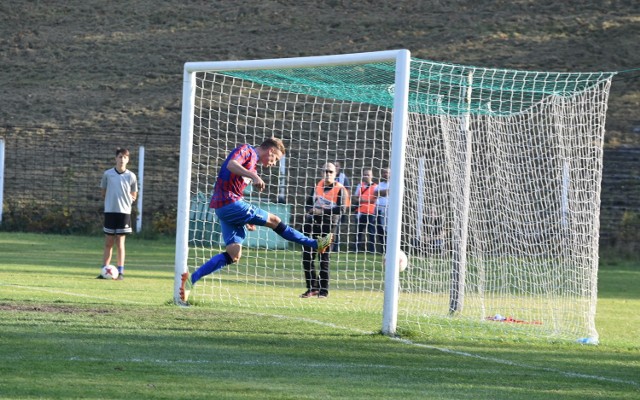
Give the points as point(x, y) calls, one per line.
point(435, 88)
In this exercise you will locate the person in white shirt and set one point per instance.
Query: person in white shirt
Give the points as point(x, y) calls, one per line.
point(342, 179)
point(382, 202)
point(119, 190)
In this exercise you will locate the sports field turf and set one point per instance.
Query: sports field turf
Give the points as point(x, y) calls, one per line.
point(65, 334)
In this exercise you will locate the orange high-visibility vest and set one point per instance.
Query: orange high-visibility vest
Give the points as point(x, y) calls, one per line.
point(324, 198)
point(367, 199)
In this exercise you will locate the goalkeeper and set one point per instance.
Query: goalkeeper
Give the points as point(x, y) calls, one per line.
point(236, 172)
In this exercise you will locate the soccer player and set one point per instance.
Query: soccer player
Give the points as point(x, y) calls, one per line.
point(119, 190)
point(236, 172)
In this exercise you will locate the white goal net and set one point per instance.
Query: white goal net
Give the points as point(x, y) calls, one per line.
point(495, 178)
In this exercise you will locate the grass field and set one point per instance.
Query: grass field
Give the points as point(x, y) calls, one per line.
point(65, 334)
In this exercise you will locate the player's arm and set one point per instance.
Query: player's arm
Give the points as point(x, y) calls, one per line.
point(236, 168)
point(310, 206)
point(344, 201)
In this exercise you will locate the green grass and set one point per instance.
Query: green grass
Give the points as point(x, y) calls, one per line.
point(65, 334)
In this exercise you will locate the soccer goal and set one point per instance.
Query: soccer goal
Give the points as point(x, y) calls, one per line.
point(494, 189)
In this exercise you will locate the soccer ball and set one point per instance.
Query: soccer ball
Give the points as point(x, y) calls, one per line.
point(403, 262)
point(109, 272)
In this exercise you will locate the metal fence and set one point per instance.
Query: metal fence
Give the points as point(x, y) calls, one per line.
point(52, 177)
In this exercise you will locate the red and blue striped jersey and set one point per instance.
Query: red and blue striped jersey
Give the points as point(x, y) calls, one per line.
point(229, 187)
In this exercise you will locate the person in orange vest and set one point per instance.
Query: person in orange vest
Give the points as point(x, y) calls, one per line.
point(365, 198)
point(326, 203)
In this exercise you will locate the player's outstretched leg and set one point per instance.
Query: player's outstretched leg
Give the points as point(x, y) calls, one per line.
point(292, 235)
point(324, 243)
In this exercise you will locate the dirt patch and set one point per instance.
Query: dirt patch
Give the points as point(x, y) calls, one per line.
point(51, 308)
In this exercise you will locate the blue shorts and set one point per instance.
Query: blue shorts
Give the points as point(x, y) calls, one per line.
point(233, 217)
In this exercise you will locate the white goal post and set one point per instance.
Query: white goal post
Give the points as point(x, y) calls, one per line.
point(494, 190)
point(402, 60)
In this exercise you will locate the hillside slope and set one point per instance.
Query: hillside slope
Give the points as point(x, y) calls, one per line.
point(117, 66)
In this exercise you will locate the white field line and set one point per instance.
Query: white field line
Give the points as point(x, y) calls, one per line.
point(521, 365)
point(466, 354)
point(407, 342)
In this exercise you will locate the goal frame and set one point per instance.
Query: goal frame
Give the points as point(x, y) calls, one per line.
point(402, 59)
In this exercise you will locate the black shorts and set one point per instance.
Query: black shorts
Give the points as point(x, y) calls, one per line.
point(117, 224)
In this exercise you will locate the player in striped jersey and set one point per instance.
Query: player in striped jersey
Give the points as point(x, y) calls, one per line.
point(236, 215)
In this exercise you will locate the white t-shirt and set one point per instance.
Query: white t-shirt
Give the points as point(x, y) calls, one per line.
point(119, 187)
point(382, 201)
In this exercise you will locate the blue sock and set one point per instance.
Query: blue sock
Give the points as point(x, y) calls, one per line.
point(215, 263)
point(293, 235)
point(120, 270)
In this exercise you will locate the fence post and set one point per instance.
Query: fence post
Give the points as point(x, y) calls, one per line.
point(140, 188)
